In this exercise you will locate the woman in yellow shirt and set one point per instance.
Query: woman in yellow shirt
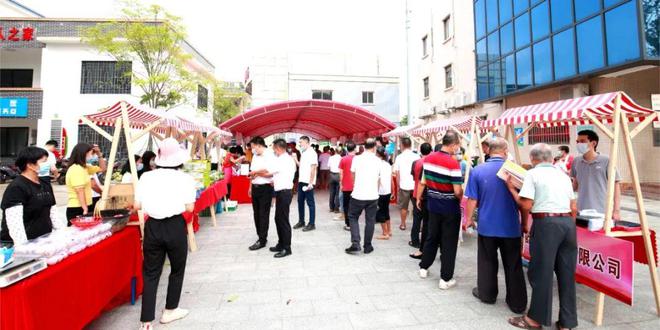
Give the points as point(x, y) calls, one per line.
point(78, 184)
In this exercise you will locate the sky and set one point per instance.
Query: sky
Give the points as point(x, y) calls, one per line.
point(230, 33)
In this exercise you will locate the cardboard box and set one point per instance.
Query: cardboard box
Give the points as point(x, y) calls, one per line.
point(120, 196)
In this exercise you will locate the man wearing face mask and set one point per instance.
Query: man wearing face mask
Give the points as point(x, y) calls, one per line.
point(589, 175)
point(49, 166)
point(261, 189)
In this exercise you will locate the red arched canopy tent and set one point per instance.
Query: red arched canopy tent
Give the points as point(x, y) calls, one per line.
point(319, 119)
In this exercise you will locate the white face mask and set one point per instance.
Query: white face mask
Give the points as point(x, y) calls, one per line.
point(583, 148)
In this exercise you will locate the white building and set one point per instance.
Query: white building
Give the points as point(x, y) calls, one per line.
point(368, 81)
point(52, 78)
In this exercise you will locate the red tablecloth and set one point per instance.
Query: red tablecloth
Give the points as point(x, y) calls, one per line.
point(240, 184)
point(72, 293)
point(208, 197)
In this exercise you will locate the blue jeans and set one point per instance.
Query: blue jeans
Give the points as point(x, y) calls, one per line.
point(306, 196)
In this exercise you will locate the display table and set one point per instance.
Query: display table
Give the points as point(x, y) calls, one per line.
point(210, 196)
point(72, 293)
point(240, 184)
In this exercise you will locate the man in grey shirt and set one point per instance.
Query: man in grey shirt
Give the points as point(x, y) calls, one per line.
point(589, 174)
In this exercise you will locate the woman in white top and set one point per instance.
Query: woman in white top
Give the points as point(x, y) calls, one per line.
point(126, 176)
point(164, 194)
point(384, 194)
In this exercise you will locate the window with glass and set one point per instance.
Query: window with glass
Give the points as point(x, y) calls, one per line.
point(549, 135)
point(105, 77)
point(449, 77)
point(202, 97)
point(519, 6)
point(13, 140)
point(506, 11)
point(12, 78)
point(367, 97)
point(425, 45)
point(609, 3)
point(482, 55)
point(651, 28)
point(521, 25)
point(495, 78)
point(322, 95)
point(542, 62)
point(590, 45)
point(479, 18)
point(586, 8)
point(622, 34)
point(563, 45)
point(425, 81)
point(446, 28)
point(506, 38)
point(493, 46)
point(540, 21)
point(509, 72)
point(482, 82)
point(524, 68)
point(491, 15)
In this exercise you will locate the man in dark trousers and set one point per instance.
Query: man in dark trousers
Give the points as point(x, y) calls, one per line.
point(261, 189)
point(547, 193)
point(420, 215)
point(499, 228)
point(284, 170)
point(346, 180)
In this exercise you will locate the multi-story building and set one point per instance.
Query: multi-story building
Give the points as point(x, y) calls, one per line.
point(367, 81)
point(530, 52)
point(49, 79)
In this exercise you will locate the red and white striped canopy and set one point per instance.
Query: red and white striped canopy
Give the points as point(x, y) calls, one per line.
point(401, 130)
point(571, 112)
point(193, 126)
point(138, 118)
point(463, 124)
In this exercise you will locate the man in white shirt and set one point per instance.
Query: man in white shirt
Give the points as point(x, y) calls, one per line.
point(366, 175)
point(283, 174)
point(333, 165)
point(402, 171)
point(51, 168)
point(261, 189)
point(306, 181)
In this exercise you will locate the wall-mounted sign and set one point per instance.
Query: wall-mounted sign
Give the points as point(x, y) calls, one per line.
point(15, 34)
point(13, 107)
point(655, 102)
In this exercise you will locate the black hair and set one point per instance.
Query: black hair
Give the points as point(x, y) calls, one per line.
point(147, 156)
point(405, 142)
point(332, 151)
point(450, 138)
point(369, 143)
point(258, 140)
point(462, 150)
point(425, 148)
point(437, 147)
point(127, 166)
point(591, 136)
point(239, 151)
point(305, 137)
point(178, 167)
point(52, 143)
point(79, 154)
point(565, 149)
point(280, 143)
point(350, 146)
point(29, 155)
point(326, 148)
point(380, 152)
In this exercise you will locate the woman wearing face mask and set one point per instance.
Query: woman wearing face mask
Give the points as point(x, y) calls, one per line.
point(148, 159)
point(28, 202)
point(78, 183)
point(126, 176)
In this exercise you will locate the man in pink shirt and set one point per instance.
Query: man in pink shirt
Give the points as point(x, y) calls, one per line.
point(346, 179)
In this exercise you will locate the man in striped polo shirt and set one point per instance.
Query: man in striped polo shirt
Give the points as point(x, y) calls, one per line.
point(442, 179)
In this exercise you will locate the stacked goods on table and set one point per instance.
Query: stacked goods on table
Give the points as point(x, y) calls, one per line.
point(59, 244)
point(199, 170)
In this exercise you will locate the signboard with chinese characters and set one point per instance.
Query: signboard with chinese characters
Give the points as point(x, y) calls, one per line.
point(16, 34)
point(13, 107)
point(604, 264)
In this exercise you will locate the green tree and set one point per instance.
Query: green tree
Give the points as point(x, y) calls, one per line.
point(153, 38)
point(404, 121)
point(228, 102)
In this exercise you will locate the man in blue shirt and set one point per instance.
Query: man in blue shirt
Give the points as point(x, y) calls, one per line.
point(499, 228)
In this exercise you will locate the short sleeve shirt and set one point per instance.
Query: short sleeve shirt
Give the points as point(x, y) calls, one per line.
point(441, 173)
point(323, 161)
point(76, 177)
point(37, 199)
point(498, 212)
point(333, 163)
point(265, 161)
point(345, 167)
point(366, 167)
point(307, 159)
point(159, 198)
point(385, 186)
point(550, 189)
point(403, 165)
point(284, 172)
point(592, 182)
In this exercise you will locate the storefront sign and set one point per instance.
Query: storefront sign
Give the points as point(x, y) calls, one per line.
point(521, 140)
point(604, 264)
point(13, 107)
point(15, 34)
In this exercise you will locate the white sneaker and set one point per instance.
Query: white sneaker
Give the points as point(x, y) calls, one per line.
point(423, 273)
point(447, 285)
point(170, 315)
point(146, 326)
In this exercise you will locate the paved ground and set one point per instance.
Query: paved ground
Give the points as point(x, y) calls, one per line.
point(320, 287)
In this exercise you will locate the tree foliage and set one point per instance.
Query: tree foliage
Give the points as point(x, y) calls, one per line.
point(227, 102)
point(151, 36)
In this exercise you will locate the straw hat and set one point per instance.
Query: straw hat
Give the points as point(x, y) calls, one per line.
point(170, 154)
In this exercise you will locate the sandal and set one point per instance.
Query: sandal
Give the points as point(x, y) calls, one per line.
point(402, 227)
point(521, 322)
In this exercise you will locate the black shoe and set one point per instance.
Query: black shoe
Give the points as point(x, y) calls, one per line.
point(257, 245)
point(347, 228)
point(368, 249)
point(283, 253)
point(309, 228)
point(353, 249)
point(413, 244)
point(276, 248)
point(299, 225)
point(412, 255)
point(475, 293)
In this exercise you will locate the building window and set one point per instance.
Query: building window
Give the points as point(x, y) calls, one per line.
point(479, 19)
point(549, 135)
point(449, 77)
point(656, 136)
point(367, 97)
point(21, 78)
point(562, 15)
point(105, 77)
point(622, 37)
point(425, 50)
point(13, 140)
point(542, 62)
point(446, 28)
point(590, 45)
point(540, 21)
point(426, 87)
point(202, 97)
point(322, 95)
point(564, 54)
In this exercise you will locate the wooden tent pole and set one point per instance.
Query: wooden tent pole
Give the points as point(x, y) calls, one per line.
point(111, 161)
point(99, 130)
point(600, 125)
point(641, 210)
point(131, 159)
point(524, 132)
point(643, 125)
point(147, 129)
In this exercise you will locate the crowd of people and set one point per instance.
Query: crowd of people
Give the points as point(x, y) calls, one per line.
point(360, 179)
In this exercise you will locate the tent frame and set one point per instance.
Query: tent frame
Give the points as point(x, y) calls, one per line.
point(620, 132)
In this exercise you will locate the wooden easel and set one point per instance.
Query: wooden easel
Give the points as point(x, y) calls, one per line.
point(621, 130)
